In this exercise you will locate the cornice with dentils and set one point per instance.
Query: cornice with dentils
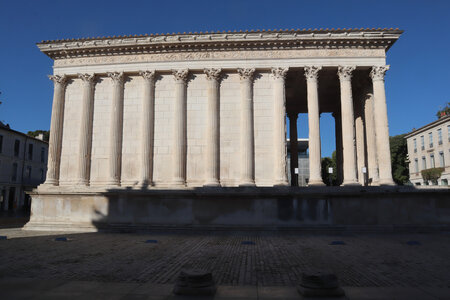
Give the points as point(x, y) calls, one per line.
point(220, 41)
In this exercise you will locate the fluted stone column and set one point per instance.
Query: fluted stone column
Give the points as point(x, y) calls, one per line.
point(179, 129)
point(360, 145)
point(85, 142)
point(381, 125)
point(247, 130)
point(372, 165)
point(293, 141)
point(116, 126)
point(56, 129)
point(147, 128)
point(212, 167)
point(279, 116)
point(348, 125)
point(315, 165)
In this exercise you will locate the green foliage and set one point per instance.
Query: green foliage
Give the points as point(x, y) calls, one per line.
point(432, 174)
point(399, 152)
point(328, 162)
point(444, 112)
point(35, 133)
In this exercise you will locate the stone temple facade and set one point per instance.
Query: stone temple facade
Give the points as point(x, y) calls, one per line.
point(149, 113)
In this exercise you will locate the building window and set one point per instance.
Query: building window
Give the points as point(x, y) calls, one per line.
point(16, 148)
point(441, 159)
point(28, 174)
point(416, 165)
point(440, 136)
point(1, 143)
point(432, 163)
point(42, 174)
point(30, 151)
point(415, 145)
point(42, 155)
point(430, 138)
point(424, 163)
point(14, 172)
point(422, 142)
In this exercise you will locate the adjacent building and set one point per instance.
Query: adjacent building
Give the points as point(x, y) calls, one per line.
point(429, 147)
point(23, 166)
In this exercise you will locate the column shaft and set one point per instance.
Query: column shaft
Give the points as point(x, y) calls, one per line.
point(85, 140)
point(212, 167)
point(315, 166)
point(381, 126)
point(279, 116)
point(179, 129)
point(348, 126)
point(116, 124)
point(360, 145)
point(147, 127)
point(56, 129)
point(247, 132)
point(372, 165)
point(293, 140)
point(339, 164)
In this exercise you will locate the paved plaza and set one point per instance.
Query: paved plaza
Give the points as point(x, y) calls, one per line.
point(245, 265)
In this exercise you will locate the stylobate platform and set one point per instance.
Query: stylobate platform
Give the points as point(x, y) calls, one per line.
point(324, 208)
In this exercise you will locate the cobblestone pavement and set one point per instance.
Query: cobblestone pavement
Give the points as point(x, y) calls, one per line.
point(264, 259)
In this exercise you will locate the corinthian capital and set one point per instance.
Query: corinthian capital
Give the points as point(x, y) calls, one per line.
point(246, 73)
point(345, 72)
point(213, 74)
point(87, 78)
point(312, 72)
point(148, 75)
point(117, 77)
point(378, 72)
point(180, 75)
point(279, 72)
point(58, 79)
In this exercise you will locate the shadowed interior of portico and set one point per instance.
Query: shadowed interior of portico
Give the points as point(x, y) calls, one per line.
point(329, 101)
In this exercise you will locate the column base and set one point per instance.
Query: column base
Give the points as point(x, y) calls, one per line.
point(316, 182)
point(83, 182)
point(386, 182)
point(211, 183)
point(178, 182)
point(247, 184)
point(281, 183)
point(350, 183)
point(144, 184)
point(113, 183)
point(51, 182)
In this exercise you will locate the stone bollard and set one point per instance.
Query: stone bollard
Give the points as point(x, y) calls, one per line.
point(320, 284)
point(194, 282)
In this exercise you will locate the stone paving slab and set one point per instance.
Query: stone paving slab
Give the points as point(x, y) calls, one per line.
point(13, 288)
point(109, 265)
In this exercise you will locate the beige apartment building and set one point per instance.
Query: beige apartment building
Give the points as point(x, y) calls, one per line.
point(429, 147)
point(23, 166)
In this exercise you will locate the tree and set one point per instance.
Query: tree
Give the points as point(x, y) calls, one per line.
point(444, 112)
point(35, 133)
point(328, 162)
point(432, 174)
point(399, 153)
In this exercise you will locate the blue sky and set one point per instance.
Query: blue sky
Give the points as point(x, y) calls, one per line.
point(416, 86)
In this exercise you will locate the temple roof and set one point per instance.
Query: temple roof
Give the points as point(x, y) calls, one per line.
point(222, 40)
